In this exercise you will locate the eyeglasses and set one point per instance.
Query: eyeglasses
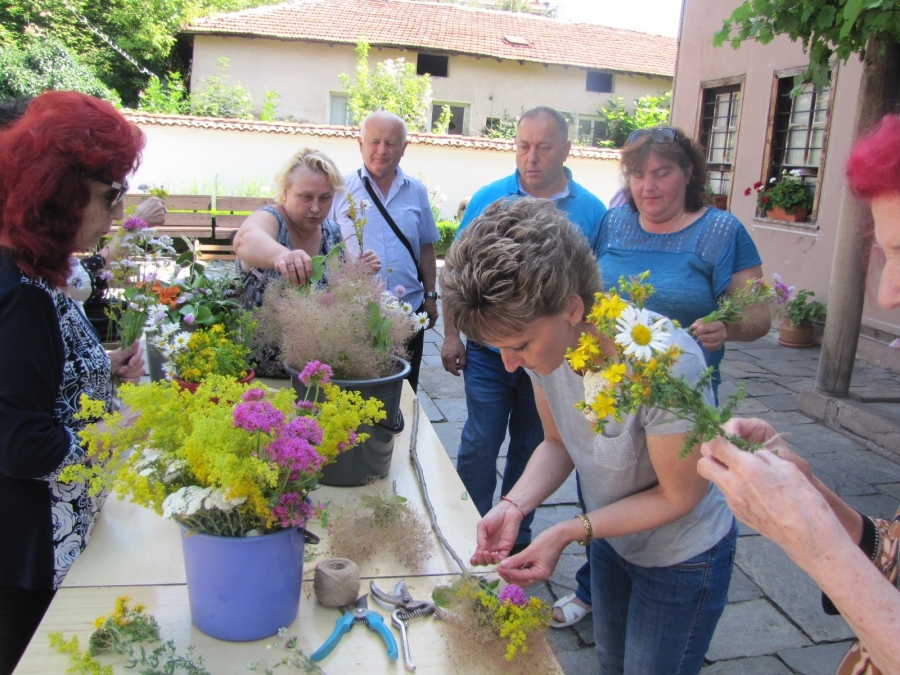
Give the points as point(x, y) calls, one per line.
point(120, 188)
point(658, 134)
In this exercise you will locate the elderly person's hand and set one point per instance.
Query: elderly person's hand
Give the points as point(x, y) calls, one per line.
point(152, 211)
point(128, 364)
point(711, 336)
point(496, 534)
point(370, 258)
point(295, 266)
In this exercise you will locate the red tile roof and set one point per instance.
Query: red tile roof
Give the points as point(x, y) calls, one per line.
point(453, 29)
point(326, 131)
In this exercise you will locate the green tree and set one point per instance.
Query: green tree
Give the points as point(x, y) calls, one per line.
point(835, 28)
point(506, 127)
point(45, 63)
point(394, 87)
point(650, 111)
point(165, 96)
point(215, 98)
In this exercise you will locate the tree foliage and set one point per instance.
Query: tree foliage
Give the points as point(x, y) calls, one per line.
point(394, 87)
point(216, 98)
point(826, 28)
point(650, 111)
point(45, 63)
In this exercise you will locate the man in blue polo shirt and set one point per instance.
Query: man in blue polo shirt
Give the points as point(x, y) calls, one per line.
point(496, 399)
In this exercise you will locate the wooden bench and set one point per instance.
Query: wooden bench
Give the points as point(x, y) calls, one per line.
point(188, 215)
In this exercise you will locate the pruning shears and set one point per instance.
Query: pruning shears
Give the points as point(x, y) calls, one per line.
point(358, 613)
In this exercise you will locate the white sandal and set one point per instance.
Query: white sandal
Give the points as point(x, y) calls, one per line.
point(572, 611)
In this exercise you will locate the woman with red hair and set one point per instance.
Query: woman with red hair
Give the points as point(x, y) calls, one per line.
point(854, 559)
point(62, 180)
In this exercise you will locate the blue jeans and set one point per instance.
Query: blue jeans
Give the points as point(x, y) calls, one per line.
point(658, 620)
point(496, 399)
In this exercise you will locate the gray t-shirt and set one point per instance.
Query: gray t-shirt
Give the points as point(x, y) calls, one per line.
point(616, 464)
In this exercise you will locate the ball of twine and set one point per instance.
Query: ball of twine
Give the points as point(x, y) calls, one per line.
point(336, 582)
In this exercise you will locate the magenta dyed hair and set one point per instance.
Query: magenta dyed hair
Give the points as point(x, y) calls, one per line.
point(873, 168)
point(44, 157)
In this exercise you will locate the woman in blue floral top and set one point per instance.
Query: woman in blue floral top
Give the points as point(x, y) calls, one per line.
point(62, 181)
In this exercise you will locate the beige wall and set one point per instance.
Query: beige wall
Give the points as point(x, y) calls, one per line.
point(179, 157)
point(305, 73)
point(803, 256)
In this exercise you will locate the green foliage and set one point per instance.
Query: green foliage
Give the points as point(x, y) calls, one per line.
point(442, 125)
point(801, 308)
point(825, 29)
point(393, 86)
point(787, 193)
point(165, 96)
point(650, 111)
point(506, 128)
point(269, 109)
point(217, 99)
point(447, 230)
point(42, 63)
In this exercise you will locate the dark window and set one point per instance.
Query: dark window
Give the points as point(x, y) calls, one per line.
point(599, 82)
point(591, 131)
point(718, 128)
point(457, 117)
point(431, 64)
point(798, 133)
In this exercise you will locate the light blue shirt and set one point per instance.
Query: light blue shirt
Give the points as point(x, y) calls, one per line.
point(407, 202)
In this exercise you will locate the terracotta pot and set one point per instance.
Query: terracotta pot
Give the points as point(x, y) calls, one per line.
point(192, 386)
point(796, 336)
point(798, 216)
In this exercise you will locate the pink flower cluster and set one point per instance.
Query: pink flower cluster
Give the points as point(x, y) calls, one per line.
point(256, 415)
point(316, 372)
point(782, 290)
point(132, 224)
point(514, 595)
point(293, 510)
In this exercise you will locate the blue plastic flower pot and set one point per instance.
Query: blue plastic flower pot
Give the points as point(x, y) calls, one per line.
point(243, 588)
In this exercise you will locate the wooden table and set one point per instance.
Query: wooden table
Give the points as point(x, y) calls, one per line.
point(134, 552)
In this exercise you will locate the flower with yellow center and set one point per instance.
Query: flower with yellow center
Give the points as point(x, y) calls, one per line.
point(640, 335)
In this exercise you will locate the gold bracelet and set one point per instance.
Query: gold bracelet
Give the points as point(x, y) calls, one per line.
point(588, 530)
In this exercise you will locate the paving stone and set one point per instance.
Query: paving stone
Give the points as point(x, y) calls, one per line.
point(752, 628)
point(741, 588)
point(794, 368)
point(750, 406)
point(449, 433)
point(892, 489)
point(764, 387)
point(790, 589)
point(798, 384)
point(439, 383)
point(817, 659)
point(780, 403)
point(845, 484)
point(566, 640)
point(431, 410)
point(567, 493)
point(757, 665)
point(818, 439)
point(430, 348)
point(783, 419)
point(429, 361)
point(454, 409)
point(877, 506)
point(580, 662)
point(742, 368)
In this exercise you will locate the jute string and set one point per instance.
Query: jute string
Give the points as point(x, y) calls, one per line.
point(336, 582)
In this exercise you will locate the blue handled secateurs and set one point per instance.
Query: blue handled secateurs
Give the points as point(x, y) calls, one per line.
point(359, 613)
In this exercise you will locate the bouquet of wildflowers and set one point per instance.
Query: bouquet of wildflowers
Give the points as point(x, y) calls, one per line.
point(136, 252)
point(357, 216)
point(629, 363)
point(495, 626)
point(231, 459)
point(354, 324)
point(208, 351)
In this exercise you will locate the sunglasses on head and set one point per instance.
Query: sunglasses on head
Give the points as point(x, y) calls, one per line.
point(658, 134)
point(120, 189)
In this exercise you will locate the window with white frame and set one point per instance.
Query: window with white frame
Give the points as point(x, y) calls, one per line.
point(338, 110)
point(459, 117)
point(718, 129)
point(591, 130)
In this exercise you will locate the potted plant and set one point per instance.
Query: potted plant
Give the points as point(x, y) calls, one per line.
point(193, 356)
point(233, 464)
point(797, 314)
point(360, 330)
point(784, 198)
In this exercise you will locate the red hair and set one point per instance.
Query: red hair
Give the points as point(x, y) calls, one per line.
point(44, 158)
point(873, 168)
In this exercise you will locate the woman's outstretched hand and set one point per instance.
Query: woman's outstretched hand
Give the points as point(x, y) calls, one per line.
point(496, 534)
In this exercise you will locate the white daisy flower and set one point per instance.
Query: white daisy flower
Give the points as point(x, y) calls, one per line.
point(420, 320)
point(181, 340)
point(406, 308)
point(640, 335)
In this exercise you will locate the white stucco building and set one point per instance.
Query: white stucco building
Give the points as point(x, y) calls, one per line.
point(483, 63)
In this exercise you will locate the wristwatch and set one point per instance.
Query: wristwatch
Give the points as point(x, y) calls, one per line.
point(431, 294)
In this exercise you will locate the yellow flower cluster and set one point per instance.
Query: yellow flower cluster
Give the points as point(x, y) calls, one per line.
point(516, 623)
point(211, 351)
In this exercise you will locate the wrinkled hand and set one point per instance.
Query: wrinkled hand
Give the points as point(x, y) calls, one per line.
point(152, 211)
point(536, 562)
point(295, 266)
point(128, 364)
point(453, 354)
point(496, 534)
point(759, 431)
point(767, 492)
point(370, 258)
point(712, 335)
